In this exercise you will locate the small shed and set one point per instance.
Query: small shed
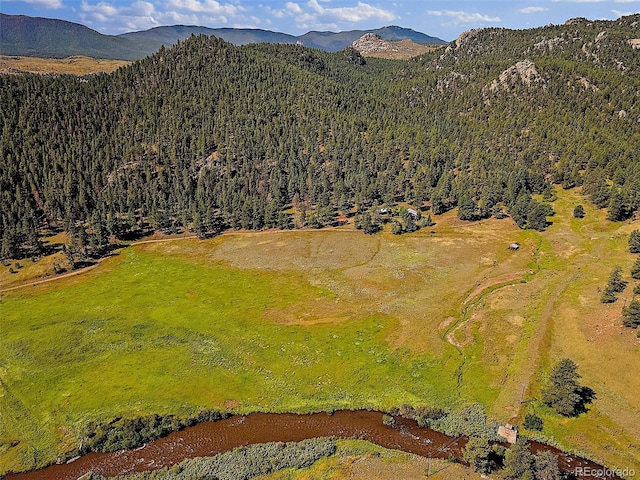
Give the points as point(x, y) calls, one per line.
point(412, 212)
point(508, 432)
point(514, 246)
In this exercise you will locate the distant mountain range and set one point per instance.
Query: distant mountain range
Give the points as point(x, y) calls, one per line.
point(44, 37)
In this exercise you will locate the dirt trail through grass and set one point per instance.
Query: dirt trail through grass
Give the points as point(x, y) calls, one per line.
point(522, 388)
point(51, 279)
point(539, 347)
point(90, 267)
point(484, 289)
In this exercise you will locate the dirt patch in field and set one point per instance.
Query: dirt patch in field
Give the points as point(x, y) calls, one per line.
point(446, 323)
point(462, 335)
point(288, 318)
point(493, 282)
point(409, 468)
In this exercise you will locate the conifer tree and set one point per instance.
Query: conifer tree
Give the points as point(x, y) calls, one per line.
point(563, 393)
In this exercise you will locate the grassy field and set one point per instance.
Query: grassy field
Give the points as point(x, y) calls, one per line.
point(77, 65)
point(311, 320)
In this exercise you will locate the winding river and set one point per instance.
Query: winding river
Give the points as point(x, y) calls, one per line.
point(210, 438)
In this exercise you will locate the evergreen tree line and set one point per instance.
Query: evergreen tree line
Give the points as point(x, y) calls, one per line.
point(617, 284)
point(207, 136)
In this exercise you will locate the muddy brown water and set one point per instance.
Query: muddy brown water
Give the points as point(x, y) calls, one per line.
point(210, 438)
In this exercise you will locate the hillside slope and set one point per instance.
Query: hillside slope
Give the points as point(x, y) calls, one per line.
point(333, 42)
point(150, 40)
point(482, 126)
point(43, 37)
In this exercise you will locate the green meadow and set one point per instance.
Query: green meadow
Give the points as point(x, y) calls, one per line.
point(166, 334)
point(319, 320)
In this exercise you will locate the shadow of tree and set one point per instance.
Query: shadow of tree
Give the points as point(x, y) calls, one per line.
point(587, 395)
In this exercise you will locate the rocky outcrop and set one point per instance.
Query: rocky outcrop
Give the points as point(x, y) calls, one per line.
point(549, 44)
point(578, 21)
point(635, 43)
point(369, 41)
point(524, 72)
point(466, 37)
point(372, 45)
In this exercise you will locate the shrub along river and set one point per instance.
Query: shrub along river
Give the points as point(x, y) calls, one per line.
point(211, 438)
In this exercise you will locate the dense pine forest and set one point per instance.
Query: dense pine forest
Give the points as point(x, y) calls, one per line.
point(206, 136)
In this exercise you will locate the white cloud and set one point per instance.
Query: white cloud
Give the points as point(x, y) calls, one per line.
point(463, 18)
point(618, 13)
point(49, 4)
point(533, 10)
point(102, 9)
point(114, 17)
point(203, 6)
point(106, 16)
point(293, 7)
point(314, 15)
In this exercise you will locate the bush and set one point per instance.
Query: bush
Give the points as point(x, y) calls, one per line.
point(426, 222)
point(631, 314)
point(477, 452)
point(498, 451)
point(470, 420)
point(579, 212)
point(426, 415)
point(518, 461)
point(388, 420)
point(634, 242)
point(422, 415)
point(533, 422)
point(546, 466)
point(127, 433)
point(247, 462)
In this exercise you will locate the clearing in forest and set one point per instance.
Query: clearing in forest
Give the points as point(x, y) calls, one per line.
point(321, 320)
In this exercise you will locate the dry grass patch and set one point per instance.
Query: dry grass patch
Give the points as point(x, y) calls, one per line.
point(76, 65)
point(360, 460)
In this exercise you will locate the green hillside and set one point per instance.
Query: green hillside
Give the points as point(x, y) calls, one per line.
point(44, 37)
point(207, 135)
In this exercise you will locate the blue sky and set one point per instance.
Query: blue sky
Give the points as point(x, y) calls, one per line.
point(444, 19)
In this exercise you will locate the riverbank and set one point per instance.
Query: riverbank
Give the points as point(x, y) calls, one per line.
point(210, 438)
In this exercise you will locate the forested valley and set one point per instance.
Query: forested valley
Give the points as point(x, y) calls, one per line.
point(207, 136)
